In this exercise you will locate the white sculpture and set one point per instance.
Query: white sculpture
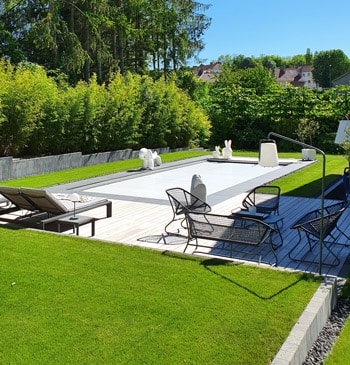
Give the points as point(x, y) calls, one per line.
point(227, 150)
point(216, 153)
point(198, 188)
point(149, 158)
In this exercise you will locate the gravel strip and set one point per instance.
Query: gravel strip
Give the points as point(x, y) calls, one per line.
point(330, 332)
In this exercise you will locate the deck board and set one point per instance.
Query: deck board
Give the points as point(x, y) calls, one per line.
point(142, 224)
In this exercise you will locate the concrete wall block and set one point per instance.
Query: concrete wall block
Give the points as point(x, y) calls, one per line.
point(42, 165)
point(11, 168)
point(5, 168)
point(104, 157)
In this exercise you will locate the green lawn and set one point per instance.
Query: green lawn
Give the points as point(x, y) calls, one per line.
point(73, 300)
point(340, 354)
point(69, 300)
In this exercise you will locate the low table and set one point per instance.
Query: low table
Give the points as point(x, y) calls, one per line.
point(271, 219)
point(76, 222)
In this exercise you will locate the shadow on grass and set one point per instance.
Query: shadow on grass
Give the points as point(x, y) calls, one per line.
point(313, 188)
point(212, 263)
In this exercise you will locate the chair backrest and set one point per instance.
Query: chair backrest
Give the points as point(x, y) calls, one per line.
point(265, 198)
point(183, 201)
point(311, 222)
point(14, 196)
point(44, 201)
point(241, 230)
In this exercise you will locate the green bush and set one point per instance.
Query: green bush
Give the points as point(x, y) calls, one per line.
point(39, 116)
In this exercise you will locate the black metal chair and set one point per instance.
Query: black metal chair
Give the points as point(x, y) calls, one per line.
point(182, 201)
point(310, 225)
point(265, 198)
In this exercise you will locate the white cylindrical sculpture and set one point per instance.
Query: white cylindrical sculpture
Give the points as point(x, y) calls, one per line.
point(308, 154)
point(198, 188)
point(268, 154)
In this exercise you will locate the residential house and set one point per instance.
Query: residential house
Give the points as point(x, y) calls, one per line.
point(208, 72)
point(296, 76)
point(342, 80)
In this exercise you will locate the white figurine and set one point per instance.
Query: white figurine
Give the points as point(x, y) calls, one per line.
point(216, 153)
point(227, 150)
point(149, 159)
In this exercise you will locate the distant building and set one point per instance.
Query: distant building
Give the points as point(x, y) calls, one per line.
point(296, 76)
point(342, 80)
point(208, 72)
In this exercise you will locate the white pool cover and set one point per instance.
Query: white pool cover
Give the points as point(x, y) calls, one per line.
point(216, 177)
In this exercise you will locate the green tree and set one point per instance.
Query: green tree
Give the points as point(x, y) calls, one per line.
point(308, 57)
point(82, 37)
point(328, 65)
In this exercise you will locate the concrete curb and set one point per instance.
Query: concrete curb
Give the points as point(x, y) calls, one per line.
point(309, 325)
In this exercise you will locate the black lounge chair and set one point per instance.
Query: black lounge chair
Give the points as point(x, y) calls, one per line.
point(310, 225)
point(265, 198)
point(182, 201)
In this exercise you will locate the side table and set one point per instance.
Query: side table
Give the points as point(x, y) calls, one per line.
point(76, 222)
point(271, 219)
point(275, 221)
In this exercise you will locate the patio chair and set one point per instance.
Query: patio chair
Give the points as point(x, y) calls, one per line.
point(310, 225)
point(264, 198)
point(182, 201)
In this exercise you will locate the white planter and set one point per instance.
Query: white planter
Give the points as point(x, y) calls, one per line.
point(308, 154)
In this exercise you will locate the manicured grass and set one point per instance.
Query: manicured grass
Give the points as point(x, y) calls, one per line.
point(71, 300)
point(340, 354)
point(68, 300)
point(65, 176)
point(307, 182)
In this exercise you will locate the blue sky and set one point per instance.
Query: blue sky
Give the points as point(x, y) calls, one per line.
point(275, 27)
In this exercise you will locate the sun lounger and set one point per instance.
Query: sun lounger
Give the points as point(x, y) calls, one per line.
point(55, 205)
point(14, 196)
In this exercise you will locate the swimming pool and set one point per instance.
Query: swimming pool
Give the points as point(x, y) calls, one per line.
point(217, 177)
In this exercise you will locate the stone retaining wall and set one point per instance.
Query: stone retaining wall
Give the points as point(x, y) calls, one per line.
point(13, 168)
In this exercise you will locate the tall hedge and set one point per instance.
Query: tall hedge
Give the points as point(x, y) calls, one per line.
point(246, 113)
point(42, 116)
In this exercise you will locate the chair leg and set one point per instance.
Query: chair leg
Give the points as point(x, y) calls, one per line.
point(170, 233)
point(166, 227)
point(326, 245)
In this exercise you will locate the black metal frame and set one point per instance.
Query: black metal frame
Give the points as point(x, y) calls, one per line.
point(238, 232)
point(265, 198)
point(311, 225)
point(182, 201)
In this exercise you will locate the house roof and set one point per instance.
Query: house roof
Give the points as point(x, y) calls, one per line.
point(292, 75)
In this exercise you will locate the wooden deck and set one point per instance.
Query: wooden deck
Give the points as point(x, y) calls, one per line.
point(142, 224)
